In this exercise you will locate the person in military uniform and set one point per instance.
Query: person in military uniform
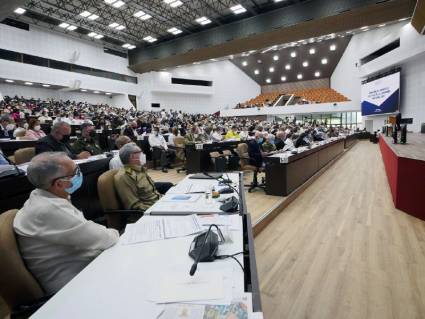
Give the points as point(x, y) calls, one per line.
point(193, 136)
point(135, 188)
point(87, 142)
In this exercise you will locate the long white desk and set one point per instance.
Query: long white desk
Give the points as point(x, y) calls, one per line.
point(119, 283)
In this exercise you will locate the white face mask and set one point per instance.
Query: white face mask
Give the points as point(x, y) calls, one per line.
point(142, 159)
point(37, 128)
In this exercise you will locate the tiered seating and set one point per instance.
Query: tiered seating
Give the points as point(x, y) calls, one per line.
point(262, 98)
point(321, 95)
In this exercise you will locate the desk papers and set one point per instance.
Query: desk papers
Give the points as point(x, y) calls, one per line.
point(158, 228)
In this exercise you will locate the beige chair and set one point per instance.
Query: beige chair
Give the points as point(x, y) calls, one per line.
point(18, 287)
point(24, 155)
point(116, 216)
point(179, 144)
point(242, 151)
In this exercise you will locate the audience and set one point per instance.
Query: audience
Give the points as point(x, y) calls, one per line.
point(6, 130)
point(55, 240)
point(34, 131)
point(135, 188)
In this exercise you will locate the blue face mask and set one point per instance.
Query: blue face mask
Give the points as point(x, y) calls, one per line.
point(260, 140)
point(76, 181)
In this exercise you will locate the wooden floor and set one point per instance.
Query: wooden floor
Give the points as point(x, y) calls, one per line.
point(341, 249)
point(258, 202)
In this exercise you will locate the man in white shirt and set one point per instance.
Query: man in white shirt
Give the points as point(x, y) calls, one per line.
point(55, 240)
point(160, 149)
point(115, 162)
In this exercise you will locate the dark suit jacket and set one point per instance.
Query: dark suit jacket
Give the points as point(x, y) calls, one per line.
point(49, 144)
point(279, 143)
point(254, 153)
point(3, 133)
point(129, 132)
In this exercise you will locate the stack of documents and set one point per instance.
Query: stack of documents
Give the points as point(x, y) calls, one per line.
point(150, 228)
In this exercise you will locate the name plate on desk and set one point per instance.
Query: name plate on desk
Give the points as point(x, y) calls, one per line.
point(99, 131)
point(283, 159)
point(199, 146)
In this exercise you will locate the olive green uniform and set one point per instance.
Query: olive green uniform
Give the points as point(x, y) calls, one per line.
point(88, 145)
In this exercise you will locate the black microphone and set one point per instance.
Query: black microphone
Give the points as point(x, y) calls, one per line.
point(195, 264)
point(220, 181)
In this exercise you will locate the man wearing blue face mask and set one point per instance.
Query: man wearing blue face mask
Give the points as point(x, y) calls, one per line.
point(55, 240)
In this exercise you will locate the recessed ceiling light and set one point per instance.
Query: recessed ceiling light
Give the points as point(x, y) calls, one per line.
point(120, 27)
point(283, 78)
point(28, 83)
point(293, 54)
point(275, 57)
point(271, 69)
point(19, 10)
point(312, 40)
point(381, 25)
point(108, 93)
point(259, 61)
point(238, 9)
point(268, 80)
point(174, 31)
point(257, 72)
point(317, 74)
point(109, 1)
point(118, 4)
point(82, 90)
point(85, 14)
point(305, 64)
point(96, 92)
point(312, 51)
point(99, 36)
point(364, 28)
point(142, 15)
point(324, 61)
point(174, 3)
point(150, 39)
point(72, 28)
point(10, 81)
point(92, 34)
point(64, 25)
point(203, 20)
point(46, 85)
point(114, 25)
point(288, 67)
point(93, 17)
point(403, 19)
point(299, 76)
point(244, 63)
point(332, 47)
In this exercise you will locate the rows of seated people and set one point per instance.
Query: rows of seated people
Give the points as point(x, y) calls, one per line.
point(55, 240)
point(305, 96)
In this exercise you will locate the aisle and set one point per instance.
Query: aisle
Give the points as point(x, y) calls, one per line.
point(341, 250)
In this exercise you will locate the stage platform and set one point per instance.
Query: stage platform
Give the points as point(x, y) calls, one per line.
point(405, 168)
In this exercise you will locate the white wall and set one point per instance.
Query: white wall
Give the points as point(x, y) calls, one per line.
point(347, 77)
point(230, 86)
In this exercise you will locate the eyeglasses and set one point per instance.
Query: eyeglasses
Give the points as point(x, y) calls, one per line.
point(77, 171)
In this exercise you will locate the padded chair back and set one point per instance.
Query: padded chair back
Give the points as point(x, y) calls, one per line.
point(180, 144)
point(106, 190)
point(179, 141)
point(17, 285)
point(24, 155)
point(242, 151)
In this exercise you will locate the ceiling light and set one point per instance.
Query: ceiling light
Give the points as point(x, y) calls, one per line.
point(85, 14)
point(259, 61)
point(312, 51)
point(283, 78)
point(257, 72)
point(142, 15)
point(46, 85)
point(317, 74)
point(173, 3)
point(109, 1)
point(203, 20)
point(312, 40)
point(381, 25)
point(403, 19)
point(108, 93)
point(99, 36)
point(268, 80)
point(114, 25)
point(237, 9)
point(364, 28)
point(92, 34)
point(293, 54)
point(96, 92)
point(332, 47)
point(149, 39)
point(82, 90)
point(28, 83)
point(271, 69)
point(244, 63)
point(276, 57)
point(118, 4)
point(19, 10)
point(324, 61)
point(299, 76)
point(131, 47)
point(72, 28)
point(305, 64)
point(93, 17)
point(64, 25)
point(174, 31)
point(288, 67)
point(10, 81)
point(120, 27)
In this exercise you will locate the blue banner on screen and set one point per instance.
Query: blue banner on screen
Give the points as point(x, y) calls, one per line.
point(382, 95)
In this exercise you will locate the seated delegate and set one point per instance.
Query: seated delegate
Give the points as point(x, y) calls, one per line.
point(55, 240)
point(160, 149)
point(87, 142)
point(57, 141)
point(134, 186)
